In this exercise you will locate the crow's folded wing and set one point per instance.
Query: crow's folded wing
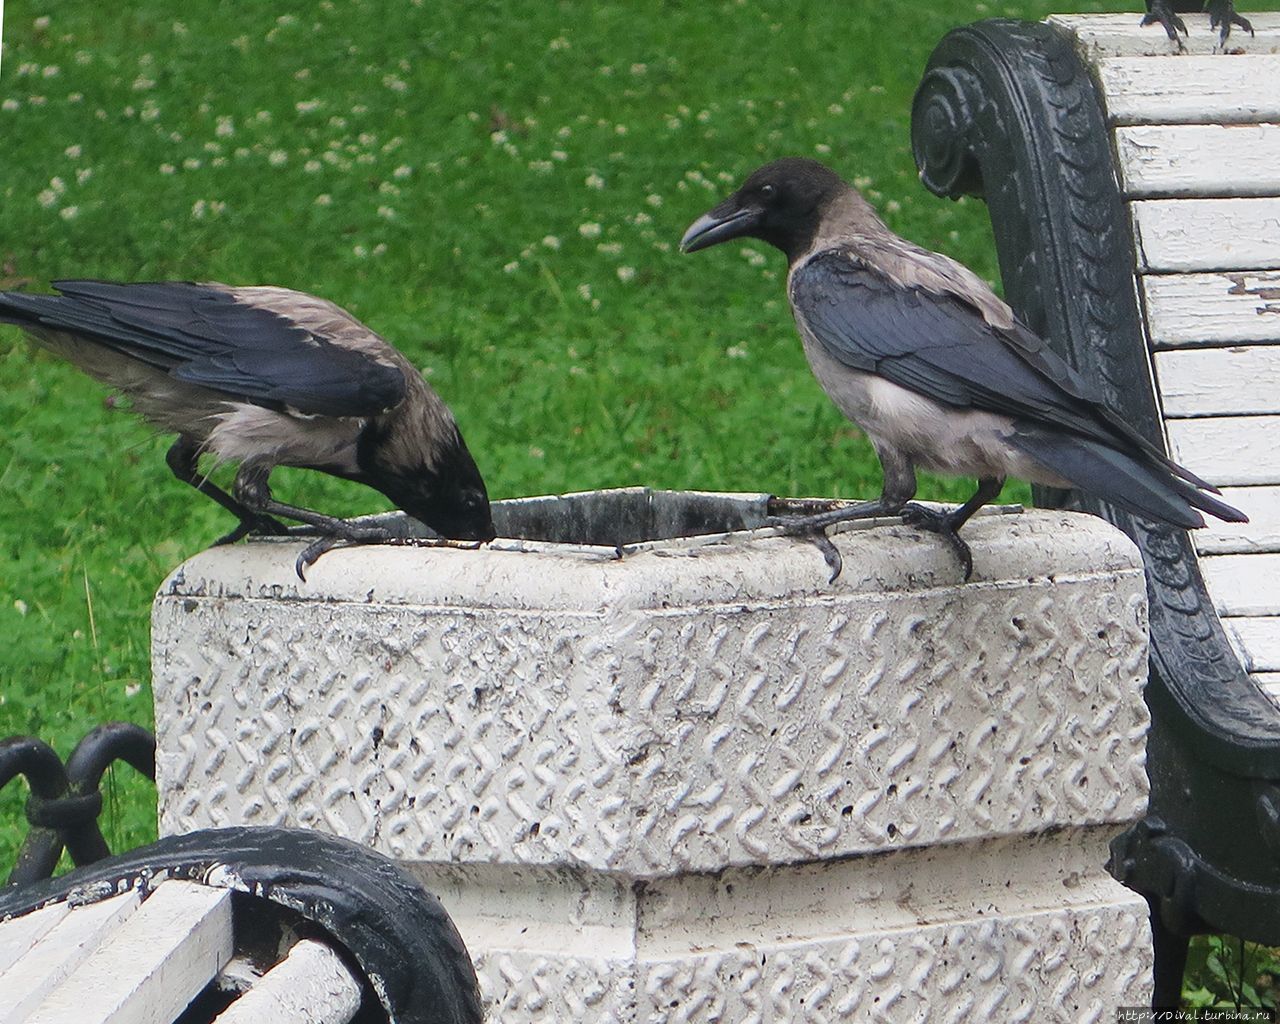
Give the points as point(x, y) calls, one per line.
point(940, 346)
point(206, 335)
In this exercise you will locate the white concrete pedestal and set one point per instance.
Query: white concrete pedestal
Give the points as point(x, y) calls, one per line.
point(701, 783)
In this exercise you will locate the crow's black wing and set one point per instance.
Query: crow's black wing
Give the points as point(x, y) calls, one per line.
point(940, 346)
point(204, 335)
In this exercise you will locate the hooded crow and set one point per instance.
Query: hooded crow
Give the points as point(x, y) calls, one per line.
point(917, 351)
point(268, 377)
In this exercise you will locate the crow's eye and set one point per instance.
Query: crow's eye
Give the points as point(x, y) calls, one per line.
point(767, 191)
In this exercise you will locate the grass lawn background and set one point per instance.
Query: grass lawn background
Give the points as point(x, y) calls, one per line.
point(498, 188)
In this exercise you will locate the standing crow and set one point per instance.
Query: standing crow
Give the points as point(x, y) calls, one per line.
point(1222, 15)
point(268, 377)
point(922, 355)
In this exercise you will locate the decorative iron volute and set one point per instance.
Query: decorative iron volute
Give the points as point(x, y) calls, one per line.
point(942, 120)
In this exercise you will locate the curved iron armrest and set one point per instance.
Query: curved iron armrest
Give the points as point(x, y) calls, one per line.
point(1007, 111)
point(414, 963)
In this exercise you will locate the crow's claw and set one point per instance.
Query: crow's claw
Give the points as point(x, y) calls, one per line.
point(942, 524)
point(313, 551)
point(1222, 15)
point(830, 555)
point(1162, 14)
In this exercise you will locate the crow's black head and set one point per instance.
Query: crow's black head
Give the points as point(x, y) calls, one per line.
point(447, 494)
point(782, 203)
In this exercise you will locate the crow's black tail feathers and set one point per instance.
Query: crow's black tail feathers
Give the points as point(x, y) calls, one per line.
point(1143, 486)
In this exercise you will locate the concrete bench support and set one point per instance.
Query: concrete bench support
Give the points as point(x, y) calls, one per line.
point(700, 782)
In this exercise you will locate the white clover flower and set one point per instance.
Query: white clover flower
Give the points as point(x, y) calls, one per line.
point(199, 208)
point(312, 166)
point(380, 249)
point(308, 106)
point(558, 43)
point(277, 158)
point(41, 23)
point(83, 175)
point(625, 274)
point(403, 171)
point(653, 199)
point(892, 206)
point(263, 117)
point(324, 199)
point(73, 152)
point(536, 453)
point(388, 189)
point(559, 154)
point(620, 129)
point(359, 108)
point(639, 69)
point(395, 84)
point(366, 138)
point(386, 212)
point(642, 218)
point(132, 689)
point(736, 351)
point(366, 158)
point(360, 251)
point(754, 257)
point(150, 111)
point(47, 198)
point(563, 132)
point(584, 292)
point(168, 169)
point(511, 268)
point(541, 166)
point(58, 185)
point(225, 127)
point(75, 97)
point(179, 29)
point(40, 101)
point(52, 71)
point(191, 163)
point(610, 248)
point(20, 606)
point(551, 241)
point(10, 105)
point(590, 230)
point(822, 148)
point(594, 180)
point(83, 57)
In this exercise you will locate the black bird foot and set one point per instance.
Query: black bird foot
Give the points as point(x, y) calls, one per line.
point(259, 526)
point(944, 525)
point(1222, 15)
point(343, 535)
point(1161, 13)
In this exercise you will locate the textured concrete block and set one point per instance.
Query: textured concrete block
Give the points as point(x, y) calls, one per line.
point(699, 776)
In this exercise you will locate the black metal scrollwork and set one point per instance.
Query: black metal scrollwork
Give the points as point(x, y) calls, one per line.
point(1008, 112)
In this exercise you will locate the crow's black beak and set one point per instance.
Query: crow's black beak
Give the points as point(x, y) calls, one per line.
point(726, 221)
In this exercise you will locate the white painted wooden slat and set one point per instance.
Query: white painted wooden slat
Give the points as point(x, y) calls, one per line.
point(310, 986)
point(62, 949)
point(1260, 533)
point(18, 935)
point(1183, 235)
point(1228, 451)
point(1191, 90)
point(1241, 380)
point(1120, 35)
point(1201, 309)
point(1257, 640)
point(1243, 584)
point(1199, 160)
point(1270, 682)
point(154, 964)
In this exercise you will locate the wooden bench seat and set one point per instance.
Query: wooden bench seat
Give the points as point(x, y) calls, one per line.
point(1197, 143)
point(1135, 199)
point(233, 926)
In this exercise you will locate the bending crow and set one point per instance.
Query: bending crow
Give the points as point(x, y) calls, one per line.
point(935, 368)
point(268, 377)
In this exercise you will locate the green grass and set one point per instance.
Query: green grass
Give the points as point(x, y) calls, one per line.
point(496, 187)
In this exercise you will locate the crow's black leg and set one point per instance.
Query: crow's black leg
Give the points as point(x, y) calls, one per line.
point(1222, 15)
point(899, 488)
point(947, 524)
point(1159, 12)
point(183, 458)
point(253, 491)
